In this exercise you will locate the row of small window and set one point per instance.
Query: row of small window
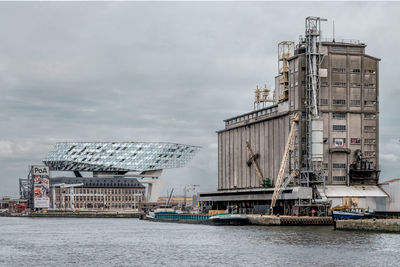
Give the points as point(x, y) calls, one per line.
point(334, 165)
point(340, 84)
point(344, 84)
point(101, 205)
point(343, 116)
point(106, 191)
point(370, 129)
point(342, 70)
point(353, 141)
point(343, 48)
point(343, 165)
point(368, 153)
point(339, 165)
point(357, 103)
point(107, 198)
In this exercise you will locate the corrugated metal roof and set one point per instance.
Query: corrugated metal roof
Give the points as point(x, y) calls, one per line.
point(354, 191)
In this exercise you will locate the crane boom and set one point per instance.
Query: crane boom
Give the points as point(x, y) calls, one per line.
point(254, 162)
point(284, 161)
point(169, 198)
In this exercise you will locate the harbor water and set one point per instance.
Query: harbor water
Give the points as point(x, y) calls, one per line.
point(132, 242)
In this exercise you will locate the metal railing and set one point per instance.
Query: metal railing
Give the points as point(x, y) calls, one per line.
point(348, 41)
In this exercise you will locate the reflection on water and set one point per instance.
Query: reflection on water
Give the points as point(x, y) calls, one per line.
point(130, 242)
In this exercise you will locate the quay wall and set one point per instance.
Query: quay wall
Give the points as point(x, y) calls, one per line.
point(88, 214)
point(378, 225)
point(288, 220)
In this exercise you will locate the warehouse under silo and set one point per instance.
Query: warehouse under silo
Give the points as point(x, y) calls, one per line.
point(314, 141)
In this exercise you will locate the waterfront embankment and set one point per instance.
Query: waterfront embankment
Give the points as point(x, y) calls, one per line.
point(80, 214)
point(376, 225)
point(288, 220)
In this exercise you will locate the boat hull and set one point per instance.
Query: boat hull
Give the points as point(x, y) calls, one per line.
point(228, 219)
point(343, 215)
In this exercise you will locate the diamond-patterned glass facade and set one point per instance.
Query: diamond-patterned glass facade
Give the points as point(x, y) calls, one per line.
point(118, 156)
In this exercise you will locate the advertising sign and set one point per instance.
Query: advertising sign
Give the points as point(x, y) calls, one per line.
point(41, 187)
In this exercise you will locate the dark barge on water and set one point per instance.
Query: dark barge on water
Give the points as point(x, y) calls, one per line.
point(219, 219)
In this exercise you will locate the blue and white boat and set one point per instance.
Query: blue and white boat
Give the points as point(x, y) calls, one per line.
point(344, 215)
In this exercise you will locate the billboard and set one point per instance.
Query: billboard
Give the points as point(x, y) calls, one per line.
point(41, 187)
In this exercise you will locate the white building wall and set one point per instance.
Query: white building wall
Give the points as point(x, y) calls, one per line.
point(392, 188)
point(363, 202)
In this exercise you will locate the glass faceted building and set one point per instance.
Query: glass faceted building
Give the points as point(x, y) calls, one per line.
point(118, 156)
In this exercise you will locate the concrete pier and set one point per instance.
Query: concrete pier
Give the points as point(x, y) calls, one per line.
point(378, 225)
point(288, 220)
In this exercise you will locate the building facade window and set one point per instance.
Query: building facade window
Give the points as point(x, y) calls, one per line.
point(339, 102)
point(355, 71)
point(323, 101)
point(339, 115)
point(339, 178)
point(355, 103)
point(370, 141)
point(370, 116)
point(340, 70)
point(339, 127)
point(339, 165)
point(339, 84)
point(370, 129)
point(369, 153)
point(355, 141)
point(369, 103)
point(355, 84)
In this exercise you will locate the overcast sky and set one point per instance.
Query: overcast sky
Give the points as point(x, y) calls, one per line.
point(137, 71)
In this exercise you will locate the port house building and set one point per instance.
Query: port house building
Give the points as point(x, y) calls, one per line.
point(349, 108)
point(111, 175)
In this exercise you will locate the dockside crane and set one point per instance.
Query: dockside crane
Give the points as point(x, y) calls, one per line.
point(280, 182)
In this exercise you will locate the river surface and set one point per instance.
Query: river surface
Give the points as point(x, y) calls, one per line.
point(131, 242)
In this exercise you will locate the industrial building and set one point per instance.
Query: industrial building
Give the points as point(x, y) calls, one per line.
point(12, 205)
point(313, 139)
point(106, 175)
point(105, 193)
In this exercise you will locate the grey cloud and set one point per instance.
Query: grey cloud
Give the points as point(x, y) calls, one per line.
point(160, 72)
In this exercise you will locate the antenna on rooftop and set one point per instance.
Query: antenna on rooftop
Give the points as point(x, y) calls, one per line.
point(333, 31)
